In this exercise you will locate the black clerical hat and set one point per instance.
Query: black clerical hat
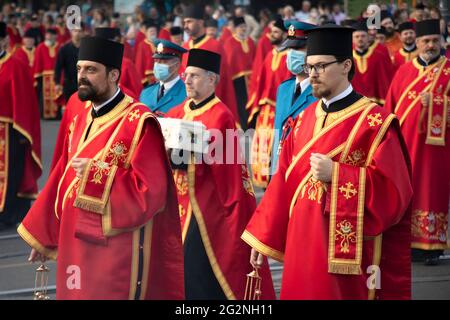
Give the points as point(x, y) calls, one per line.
point(28, 34)
point(194, 12)
point(427, 27)
point(2, 29)
point(51, 31)
point(204, 59)
point(405, 26)
point(384, 14)
point(107, 33)
point(238, 20)
point(212, 23)
point(104, 51)
point(279, 23)
point(174, 31)
point(329, 39)
point(360, 25)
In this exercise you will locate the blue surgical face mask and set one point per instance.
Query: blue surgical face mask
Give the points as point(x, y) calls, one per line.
point(161, 71)
point(295, 61)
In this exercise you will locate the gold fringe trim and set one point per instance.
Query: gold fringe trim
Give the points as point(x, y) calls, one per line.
point(353, 269)
point(88, 205)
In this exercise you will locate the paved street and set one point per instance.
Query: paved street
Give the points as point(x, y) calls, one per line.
point(17, 275)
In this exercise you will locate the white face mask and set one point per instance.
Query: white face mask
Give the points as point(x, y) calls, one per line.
point(49, 42)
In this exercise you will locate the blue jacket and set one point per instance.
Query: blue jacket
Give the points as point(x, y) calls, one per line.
point(284, 110)
point(171, 98)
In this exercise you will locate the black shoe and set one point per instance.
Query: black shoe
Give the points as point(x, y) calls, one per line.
point(432, 261)
point(417, 255)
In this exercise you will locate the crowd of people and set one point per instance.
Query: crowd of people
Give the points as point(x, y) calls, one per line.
point(350, 146)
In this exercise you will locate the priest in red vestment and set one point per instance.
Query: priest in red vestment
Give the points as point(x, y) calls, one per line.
point(336, 212)
point(215, 194)
point(43, 69)
point(263, 47)
point(240, 54)
point(374, 70)
point(392, 42)
point(15, 39)
point(194, 26)
point(26, 52)
point(409, 49)
point(419, 96)
point(20, 137)
point(144, 54)
point(107, 214)
point(64, 35)
point(273, 72)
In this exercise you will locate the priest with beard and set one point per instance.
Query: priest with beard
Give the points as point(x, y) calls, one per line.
point(106, 209)
point(409, 50)
point(338, 202)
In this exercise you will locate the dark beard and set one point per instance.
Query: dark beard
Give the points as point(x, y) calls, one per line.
point(389, 33)
point(87, 93)
point(276, 42)
point(320, 93)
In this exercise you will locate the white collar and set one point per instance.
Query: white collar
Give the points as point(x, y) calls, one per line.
point(340, 96)
point(96, 108)
point(303, 84)
point(1, 53)
point(170, 84)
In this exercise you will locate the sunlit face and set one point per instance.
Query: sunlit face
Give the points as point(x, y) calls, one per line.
point(192, 26)
point(94, 82)
point(408, 37)
point(388, 24)
point(380, 38)
point(28, 42)
point(241, 30)
point(324, 83)
point(361, 40)
point(178, 39)
point(276, 35)
point(211, 32)
point(429, 46)
point(151, 33)
point(198, 82)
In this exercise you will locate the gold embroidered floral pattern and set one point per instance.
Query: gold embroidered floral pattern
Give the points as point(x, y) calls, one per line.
point(74, 189)
point(134, 115)
point(248, 186)
point(315, 190)
point(357, 158)
point(349, 191)
point(446, 71)
point(182, 184)
point(101, 168)
point(345, 233)
point(436, 124)
point(118, 152)
point(374, 119)
point(181, 210)
point(71, 129)
point(430, 225)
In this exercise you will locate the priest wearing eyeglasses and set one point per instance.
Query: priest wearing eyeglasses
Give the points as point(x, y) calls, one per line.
point(336, 212)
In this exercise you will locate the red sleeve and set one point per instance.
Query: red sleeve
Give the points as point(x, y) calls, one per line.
point(267, 230)
point(139, 192)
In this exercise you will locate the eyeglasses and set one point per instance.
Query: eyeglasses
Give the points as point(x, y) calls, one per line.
point(318, 68)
